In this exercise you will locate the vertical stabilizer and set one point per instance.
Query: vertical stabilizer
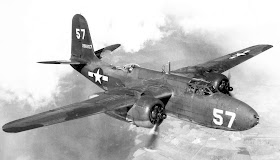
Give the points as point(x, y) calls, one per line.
point(82, 48)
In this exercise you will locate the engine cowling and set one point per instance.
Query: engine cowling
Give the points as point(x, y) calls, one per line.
point(147, 112)
point(219, 81)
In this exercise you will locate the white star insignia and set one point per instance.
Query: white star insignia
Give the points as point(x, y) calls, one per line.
point(239, 54)
point(98, 76)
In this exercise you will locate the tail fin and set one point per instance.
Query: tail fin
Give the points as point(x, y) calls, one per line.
point(82, 48)
point(82, 56)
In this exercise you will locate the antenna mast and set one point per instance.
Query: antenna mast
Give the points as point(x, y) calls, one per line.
point(169, 67)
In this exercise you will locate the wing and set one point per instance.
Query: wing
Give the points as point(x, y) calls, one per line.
point(226, 62)
point(100, 103)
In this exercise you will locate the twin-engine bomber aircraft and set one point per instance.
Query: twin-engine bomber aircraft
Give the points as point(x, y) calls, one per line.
point(199, 94)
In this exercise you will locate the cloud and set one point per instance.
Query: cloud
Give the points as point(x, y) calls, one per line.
point(176, 46)
point(151, 33)
point(96, 136)
point(29, 37)
point(45, 35)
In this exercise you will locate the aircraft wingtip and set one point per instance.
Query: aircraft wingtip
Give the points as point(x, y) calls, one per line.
point(6, 128)
point(48, 62)
point(16, 126)
point(266, 47)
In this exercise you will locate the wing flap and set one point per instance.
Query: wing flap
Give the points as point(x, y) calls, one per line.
point(103, 102)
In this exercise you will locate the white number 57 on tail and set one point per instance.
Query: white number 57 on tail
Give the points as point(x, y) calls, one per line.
point(78, 33)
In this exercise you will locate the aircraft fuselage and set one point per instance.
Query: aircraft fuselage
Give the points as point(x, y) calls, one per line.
point(192, 102)
point(199, 94)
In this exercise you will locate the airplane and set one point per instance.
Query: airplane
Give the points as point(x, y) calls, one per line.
point(198, 94)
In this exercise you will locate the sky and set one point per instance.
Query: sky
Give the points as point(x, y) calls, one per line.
point(150, 32)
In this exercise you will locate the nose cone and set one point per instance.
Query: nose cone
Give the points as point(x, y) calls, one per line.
point(254, 118)
point(248, 118)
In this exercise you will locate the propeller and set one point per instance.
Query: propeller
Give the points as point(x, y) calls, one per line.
point(229, 76)
point(229, 87)
point(152, 140)
point(157, 116)
point(224, 85)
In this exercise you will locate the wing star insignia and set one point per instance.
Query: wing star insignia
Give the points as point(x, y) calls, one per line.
point(98, 76)
point(239, 54)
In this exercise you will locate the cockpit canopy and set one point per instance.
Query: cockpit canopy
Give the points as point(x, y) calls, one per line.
point(127, 68)
point(131, 65)
point(200, 87)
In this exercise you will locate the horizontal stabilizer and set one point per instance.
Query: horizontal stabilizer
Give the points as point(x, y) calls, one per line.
point(108, 48)
point(61, 62)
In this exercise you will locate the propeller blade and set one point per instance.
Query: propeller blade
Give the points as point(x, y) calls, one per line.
point(232, 95)
point(153, 138)
point(229, 75)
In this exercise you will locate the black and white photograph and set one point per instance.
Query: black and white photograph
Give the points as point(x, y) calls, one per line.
point(140, 80)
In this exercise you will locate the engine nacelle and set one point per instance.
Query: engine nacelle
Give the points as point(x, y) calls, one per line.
point(219, 81)
point(147, 112)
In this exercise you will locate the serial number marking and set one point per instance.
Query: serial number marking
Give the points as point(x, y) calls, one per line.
point(87, 46)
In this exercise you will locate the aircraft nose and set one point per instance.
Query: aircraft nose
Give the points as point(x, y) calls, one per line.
point(255, 119)
point(250, 116)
